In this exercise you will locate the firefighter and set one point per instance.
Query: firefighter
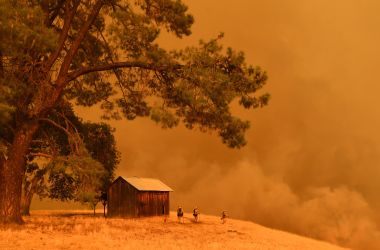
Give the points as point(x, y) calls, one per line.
point(196, 214)
point(180, 214)
point(224, 217)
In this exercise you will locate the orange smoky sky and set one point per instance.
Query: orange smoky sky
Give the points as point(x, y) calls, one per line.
point(312, 162)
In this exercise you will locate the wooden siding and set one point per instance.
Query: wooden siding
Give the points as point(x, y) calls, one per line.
point(152, 203)
point(124, 200)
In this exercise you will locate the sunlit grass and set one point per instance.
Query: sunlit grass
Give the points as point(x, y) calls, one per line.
point(80, 230)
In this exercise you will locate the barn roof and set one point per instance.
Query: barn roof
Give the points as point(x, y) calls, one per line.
point(147, 184)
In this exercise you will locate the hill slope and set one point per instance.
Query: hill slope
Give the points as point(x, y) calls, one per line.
point(63, 230)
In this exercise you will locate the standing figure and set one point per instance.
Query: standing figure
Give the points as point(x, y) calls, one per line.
point(196, 214)
point(224, 217)
point(180, 214)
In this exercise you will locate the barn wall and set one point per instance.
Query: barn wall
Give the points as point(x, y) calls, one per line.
point(122, 199)
point(151, 203)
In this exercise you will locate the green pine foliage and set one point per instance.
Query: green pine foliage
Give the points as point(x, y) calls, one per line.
point(195, 85)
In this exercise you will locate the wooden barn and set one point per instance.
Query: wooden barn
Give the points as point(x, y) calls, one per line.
point(136, 197)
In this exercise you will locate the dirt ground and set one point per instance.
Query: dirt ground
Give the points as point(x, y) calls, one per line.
point(80, 230)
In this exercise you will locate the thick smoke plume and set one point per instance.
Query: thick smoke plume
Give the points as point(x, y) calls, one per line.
point(337, 214)
point(312, 162)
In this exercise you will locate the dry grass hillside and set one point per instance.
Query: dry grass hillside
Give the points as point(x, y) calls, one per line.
point(79, 230)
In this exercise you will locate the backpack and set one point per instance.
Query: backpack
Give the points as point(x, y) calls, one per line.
point(195, 212)
point(179, 212)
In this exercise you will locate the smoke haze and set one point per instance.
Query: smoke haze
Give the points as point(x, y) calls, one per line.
point(311, 165)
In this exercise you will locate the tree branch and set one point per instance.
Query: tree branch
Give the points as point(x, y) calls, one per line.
point(41, 155)
point(55, 125)
point(70, 13)
point(117, 74)
point(116, 65)
point(62, 75)
point(61, 80)
point(67, 121)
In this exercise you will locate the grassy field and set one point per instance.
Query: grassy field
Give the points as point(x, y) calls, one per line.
point(80, 230)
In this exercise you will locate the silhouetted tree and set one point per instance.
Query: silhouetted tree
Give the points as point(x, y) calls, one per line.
point(58, 177)
point(104, 199)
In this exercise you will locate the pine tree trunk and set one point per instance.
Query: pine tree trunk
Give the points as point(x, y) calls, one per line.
point(12, 173)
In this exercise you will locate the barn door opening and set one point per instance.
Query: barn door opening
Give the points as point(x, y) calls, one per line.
point(163, 209)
